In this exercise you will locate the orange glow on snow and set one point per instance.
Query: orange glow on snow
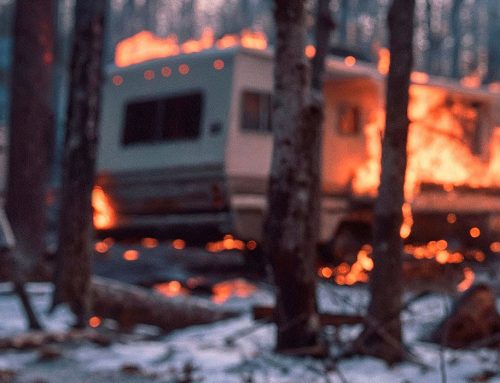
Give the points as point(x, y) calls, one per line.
point(145, 46)
point(238, 287)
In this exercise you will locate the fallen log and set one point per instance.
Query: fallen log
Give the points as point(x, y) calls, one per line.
point(38, 338)
point(472, 320)
point(131, 305)
point(326, 319)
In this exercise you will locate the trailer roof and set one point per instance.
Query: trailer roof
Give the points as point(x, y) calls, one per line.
point(336, 68)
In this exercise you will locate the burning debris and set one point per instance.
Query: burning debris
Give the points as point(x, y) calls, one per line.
point(146, 46)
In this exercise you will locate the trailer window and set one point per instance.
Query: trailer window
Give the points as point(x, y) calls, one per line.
point(256, 111)
point(165, 119)
point(349, 119)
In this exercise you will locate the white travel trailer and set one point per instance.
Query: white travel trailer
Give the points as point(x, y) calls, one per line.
point(185, 144)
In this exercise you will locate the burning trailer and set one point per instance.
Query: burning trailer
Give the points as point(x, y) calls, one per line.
point(186, 144)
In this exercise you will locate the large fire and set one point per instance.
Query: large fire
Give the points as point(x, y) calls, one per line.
point(442, 135)
point(145, 46)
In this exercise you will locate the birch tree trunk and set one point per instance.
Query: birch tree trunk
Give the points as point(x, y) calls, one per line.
point(386, 279)
point(291, 226)
point(75, 234)
point(31, 130)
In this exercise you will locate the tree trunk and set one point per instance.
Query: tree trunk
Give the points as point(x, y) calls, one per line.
point(291, 225)
point(75, 234)
point(30, 133)
point(31, 130)
point(131, 305)
point(386, 278)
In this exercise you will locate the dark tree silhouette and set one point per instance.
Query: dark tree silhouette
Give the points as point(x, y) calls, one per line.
point(31, 131)
point(291, 226)
point(75, 234)
point(382, 335)
point(31, 128)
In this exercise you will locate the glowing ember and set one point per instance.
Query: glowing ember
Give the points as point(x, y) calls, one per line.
point(95, 322)
point(238, 287)
point(131, 255)
point(325, 272)
point(179, 244)
point(467, 281)
point(145, 46)
point(170, 289)
point(228, 243)
point(345, 274)
point(407, 224)
point(436, 250)
point(117, 80)
point(451, 218)
point(310, 51)
point(104, 215)
point(149, 75)
point(350, 61)
point(101, 247)
point(475, 232)
point(251, 245)
point(149, 243)
point(166, 71)
point(218, 64)
point(495, 247)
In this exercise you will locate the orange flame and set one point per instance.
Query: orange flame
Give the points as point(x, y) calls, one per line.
point(229, 243)
point(145, 46)
point(439, 143)
point(104, 215)
point(407, 224)
point(384, 59)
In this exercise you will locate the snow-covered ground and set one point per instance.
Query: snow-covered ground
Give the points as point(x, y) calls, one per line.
point(237, 350)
